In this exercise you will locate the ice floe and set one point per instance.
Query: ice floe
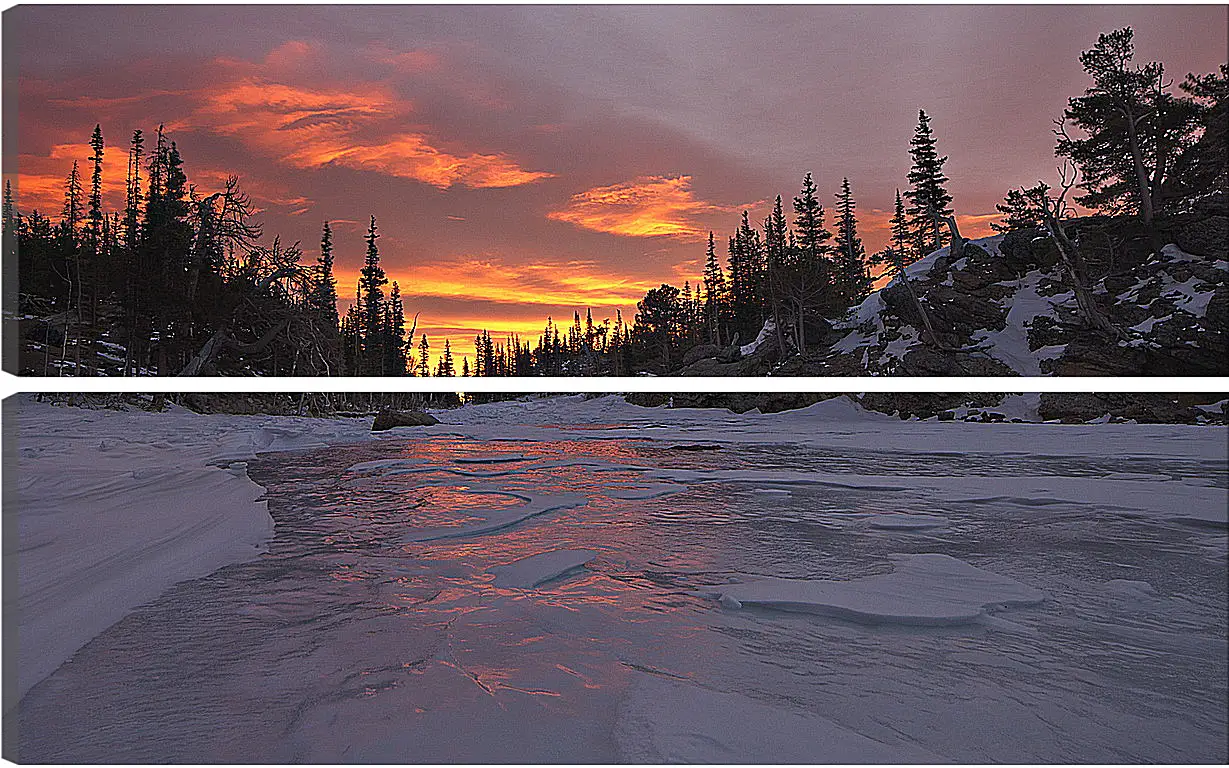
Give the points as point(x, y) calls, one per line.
point(536, 570)
point(498, 519)
point(924, 590)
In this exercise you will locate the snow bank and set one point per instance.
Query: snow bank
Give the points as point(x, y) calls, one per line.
point(536, 570)
point(111, 508)
point(924, 590)
point(835, 423)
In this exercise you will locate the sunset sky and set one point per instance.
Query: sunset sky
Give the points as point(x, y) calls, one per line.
point(528, 161)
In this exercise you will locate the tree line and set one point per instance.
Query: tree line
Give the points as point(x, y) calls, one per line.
point(182, 282)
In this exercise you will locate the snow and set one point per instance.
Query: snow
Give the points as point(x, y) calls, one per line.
point(536, 570)
point(1185, 296)
point(1188, 298)
point(1171, 252)
point(924, 590)
point(111, 508)
point(1020, 406)
point(1024, 306)
point(764, 335)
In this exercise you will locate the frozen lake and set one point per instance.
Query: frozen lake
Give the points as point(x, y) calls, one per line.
point(589, 594)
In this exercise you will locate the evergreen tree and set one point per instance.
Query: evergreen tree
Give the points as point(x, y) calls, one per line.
point(424, 356)
point(776, 237)
point(323, 297)
point(394, 339)
point(928, 196)
point(445, 365)
point(714, 293)
point(812, 238)
point(1019, 212)
point(371, 282)
point(72, 203)
point(132, 196)
point(10, 210)
point(853, 280)
point(901, 239)
point(465, 366)
point(746, 260)
point(1135, 130)
point(1203, 168)
point(657, 323)
point(95, 212)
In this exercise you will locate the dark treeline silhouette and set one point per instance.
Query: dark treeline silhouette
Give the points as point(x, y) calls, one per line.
point(179, 282)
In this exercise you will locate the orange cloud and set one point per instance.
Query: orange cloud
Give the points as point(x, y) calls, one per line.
point(648, 206)
point(314, 127)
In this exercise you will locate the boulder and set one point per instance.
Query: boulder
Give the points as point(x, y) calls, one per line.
point(700, 352)
point(388, 419)
point(730, 354)
point(1207, 237)
point(1017, 249)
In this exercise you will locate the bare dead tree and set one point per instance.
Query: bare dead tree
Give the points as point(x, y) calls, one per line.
point(1054, 209)
point(265, 269)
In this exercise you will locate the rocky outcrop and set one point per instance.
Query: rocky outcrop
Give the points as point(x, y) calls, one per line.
point(1145, 408)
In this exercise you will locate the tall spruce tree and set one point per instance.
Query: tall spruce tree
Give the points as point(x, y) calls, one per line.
point(445, 367)
point(95, 215)
point(812, 238)
point(371, 284)
point(132, 192)
point(323, 297)
point(394, 339)
point(852, 278)
point(714, 293)
point(71, 217)
point(424, 356)
point(776, 237)
point(928, 196)
point(901, 240)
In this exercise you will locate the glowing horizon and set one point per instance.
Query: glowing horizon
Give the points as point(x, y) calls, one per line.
point(521, 163)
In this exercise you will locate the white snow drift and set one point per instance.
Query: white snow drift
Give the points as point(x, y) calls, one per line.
point(111, 508)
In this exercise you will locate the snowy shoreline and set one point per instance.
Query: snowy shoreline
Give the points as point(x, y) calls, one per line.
point(108, 509)
point(111, 508)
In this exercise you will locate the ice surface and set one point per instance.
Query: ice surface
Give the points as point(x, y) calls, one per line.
point(924, 590)
point(496, 458)
point(641, 492)
point(903, 522)
point(349, 644)
point(536, 570)
point(664, 721)
point(493, 520)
